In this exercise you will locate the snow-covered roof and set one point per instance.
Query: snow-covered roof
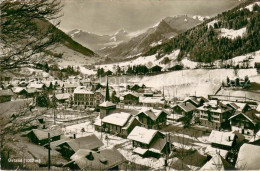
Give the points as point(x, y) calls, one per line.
point(215, 106)
point(217, 162)
point(36, 85)
point(152, 113)
point(248, 157)
point(250, 115)
point(82, 90)
point(140, 151)
point(107, 104)
point(158, 100)
point(187, 106)
point(223, 138)
point(119, 119)
point(62, 96)
point(17, 89)
point(142, 134)
point(213, 151)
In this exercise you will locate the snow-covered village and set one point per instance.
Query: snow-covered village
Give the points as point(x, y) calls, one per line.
point(130, 85)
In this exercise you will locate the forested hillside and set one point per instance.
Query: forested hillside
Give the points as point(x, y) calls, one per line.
point(206, 43)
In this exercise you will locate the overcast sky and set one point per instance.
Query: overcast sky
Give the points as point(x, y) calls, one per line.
point(108, 16)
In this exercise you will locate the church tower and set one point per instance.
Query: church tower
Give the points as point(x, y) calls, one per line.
point(106, 106)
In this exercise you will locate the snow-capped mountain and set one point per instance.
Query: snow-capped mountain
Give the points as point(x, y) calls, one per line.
point(95, 41)
point(164, 30)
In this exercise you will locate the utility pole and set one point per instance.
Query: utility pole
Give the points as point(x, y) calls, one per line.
point(49, 152)
point(166, 157)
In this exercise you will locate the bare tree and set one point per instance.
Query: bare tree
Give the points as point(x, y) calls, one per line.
point(26, 30)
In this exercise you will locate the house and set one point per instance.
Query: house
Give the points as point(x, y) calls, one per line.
point(152, 101)
point(86, 97)
point(19, 92)
point(120, 124)
point(222, 142)
point(196, 101)
point(32, 92)
point(5, 95)
point(242, 107)
point(38, 86)
point(107, 159)
point(245, 122)
point(184, 109)
point(62, 98)
point(248, 157)
point(41, 136)
point(148, 142)
point(148, 93)
point(152, 118)
point(214, 115)
point(217, 162)
point(130, 98)
point(70, 87)
point(90, 142)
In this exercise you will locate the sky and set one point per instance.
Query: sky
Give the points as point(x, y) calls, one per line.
point(108, 16)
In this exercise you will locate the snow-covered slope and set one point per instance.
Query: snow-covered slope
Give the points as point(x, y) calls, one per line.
point(163, 31)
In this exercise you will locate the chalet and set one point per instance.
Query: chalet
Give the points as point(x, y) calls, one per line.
point(196, 101)
point(184, 109)
point(214, 114)
point(62, 98)
point(130, 98)
point(152, 101)
point(222, 142)
point(245, 122)
point(120, 124)
point(38, 86)
point(248, 157)
point(107, 159)
point(217, 162)
point(41, 136)
point(152, 118)
point(5, 95)
point(68, 148)
point(242, 107)
point(148, 142)
point(19, 92)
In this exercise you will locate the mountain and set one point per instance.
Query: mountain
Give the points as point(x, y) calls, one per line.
point(230, 34)
point(97, 42)
point(66, 51)
point(164, 30)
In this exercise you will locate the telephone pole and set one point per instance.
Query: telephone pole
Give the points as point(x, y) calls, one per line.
point(49, 151)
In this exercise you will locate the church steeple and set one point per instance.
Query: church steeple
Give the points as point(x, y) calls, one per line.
point(107, 92)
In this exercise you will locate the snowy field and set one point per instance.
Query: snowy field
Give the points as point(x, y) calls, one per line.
point(188, 82)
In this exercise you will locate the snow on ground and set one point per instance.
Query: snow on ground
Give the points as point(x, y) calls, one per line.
point(200, 18)
point(251, 57)
point(86, 71)
point(73, 58)
point(156, 43)
point(189, 64)
point(232, 34)
point(149, 61)
point(250, 7)
point(188, 82)
point(212, 23)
